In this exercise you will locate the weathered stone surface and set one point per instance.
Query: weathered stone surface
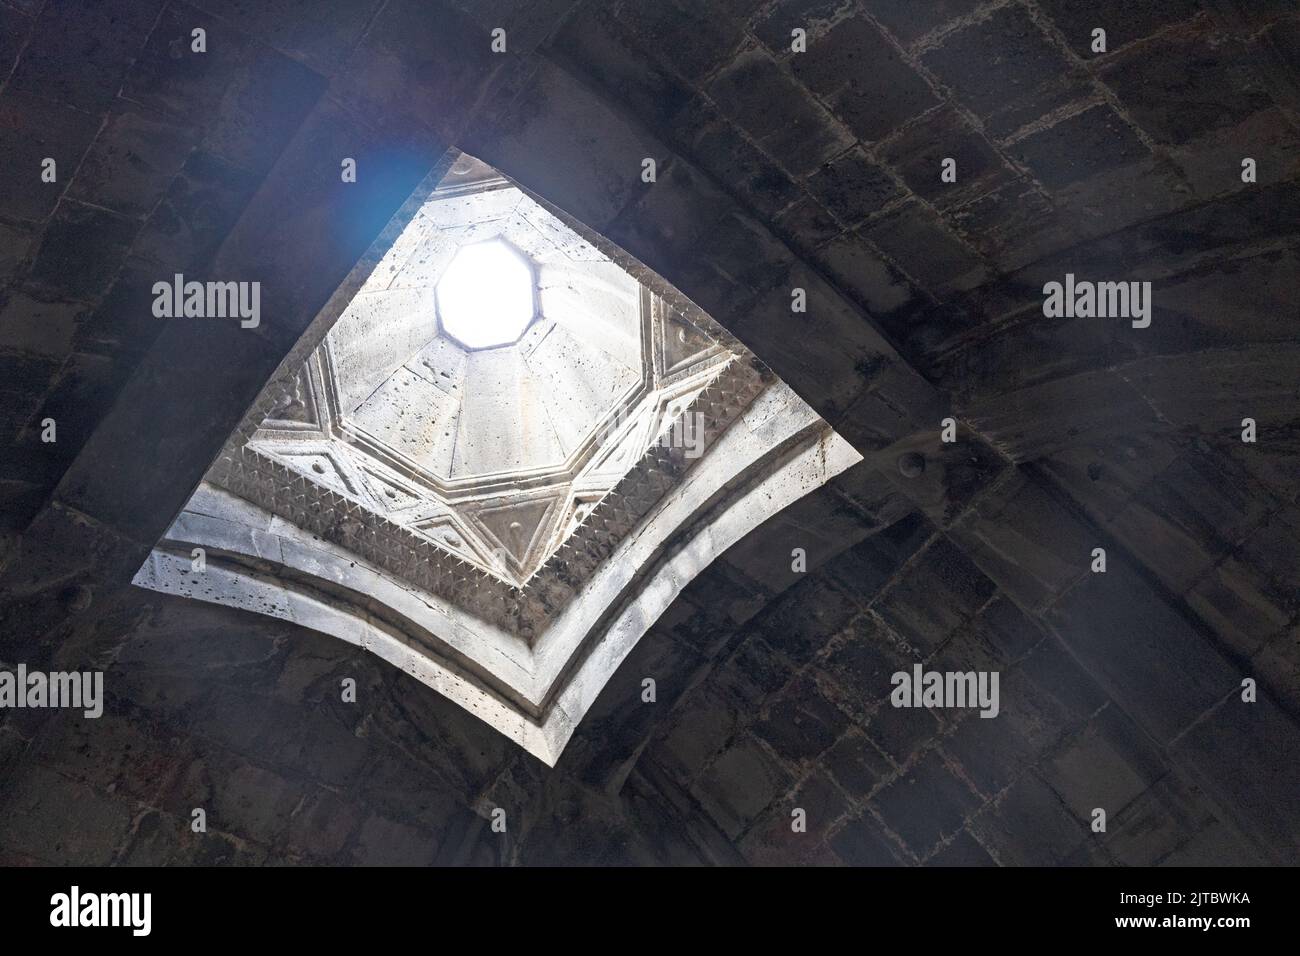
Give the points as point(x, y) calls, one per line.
point(319, 34)
point(1060, 155)
point(1252, 750)
point(864, 78)
point(1018, 537)
point(852, 187)
point(133, 159)
point(1030, 76)
point(739, 785)
point(920, 149)
point(922, 823)
point(1119, 166)
point(83, 248)
point(760, 96)
point(1211, 86)
point(1169, 675)
point(1124, 23)
point(80, 51)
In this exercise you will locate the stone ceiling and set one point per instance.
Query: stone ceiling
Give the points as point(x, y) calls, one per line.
point(775, 172)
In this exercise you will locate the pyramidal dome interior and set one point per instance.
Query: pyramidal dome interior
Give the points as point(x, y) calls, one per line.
point(506, 452)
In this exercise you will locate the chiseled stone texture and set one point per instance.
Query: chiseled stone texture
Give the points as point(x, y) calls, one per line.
point(241, 714)
point(776, 169)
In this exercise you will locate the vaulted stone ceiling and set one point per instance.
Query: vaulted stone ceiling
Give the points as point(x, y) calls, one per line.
point(776, 170)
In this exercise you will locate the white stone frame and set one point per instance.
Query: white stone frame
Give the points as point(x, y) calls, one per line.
point(776, 453)
point(529, 662)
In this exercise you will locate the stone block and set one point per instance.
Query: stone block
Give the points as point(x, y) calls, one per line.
point(81, 49)
point(1005, 69)
point(802, 723)
point(1093, 141)
point(1234, 599)
point(740, 784)
point(1218, 844)
point(806, 617)
point(757, 93)
point(322, 826)
point(113, 753)
point(1026, 542)
point(1181, 86)
point(15, 26)
point(863, 569)
point(1102, 476)
point(164, 839)
point(993, 753)
point(934, 596)
point(1007, 629)
point(752, 672)
point(1123, 22)
point(953, 474)
point(910, 21)
point(774, 24)
point(414, 72)
point(389, 842)
point(863, 78)
point(133, 160)
point(1143, 652)
point(804, 223)
point(931, 254)
point(266, 101)
point(700, 728)
point(901, 732)
point(926, 804)
point(737, 165)
point(170, 76)
point(16, 241)
point(1029, 824)
point(865, 274)
point(600, 47)
point(862, 842)
point(1271, 547)
point(1108, 764)
point(1040, 419)
point(58, 821)
point(1166, 816)
point(319, 34)
point(828, 379)
point(1068, 691)
point(593, 155)
point(1012, 226)
point(1246, 757)
point(39, 328)
point(773, 841)
point(857, 766)
point(82, 250)
point(700, 40)
point(183, 233)
point(862, 662)
point(853, 187)
point(920, 149)
point(962, 850)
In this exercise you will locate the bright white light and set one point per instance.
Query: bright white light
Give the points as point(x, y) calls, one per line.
point(485, 297)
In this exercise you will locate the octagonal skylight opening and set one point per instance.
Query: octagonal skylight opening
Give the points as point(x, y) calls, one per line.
point(485, 295)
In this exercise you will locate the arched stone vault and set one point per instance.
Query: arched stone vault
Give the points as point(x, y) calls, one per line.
point(895, 338)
